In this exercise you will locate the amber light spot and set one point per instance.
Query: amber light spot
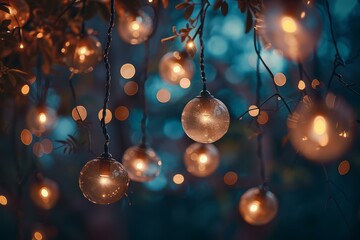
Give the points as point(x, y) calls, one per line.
point(79, 113)
point(122, 113)
point(127, 71)
point(108, 116)
point(131, 88)
point(38, 236)
point(301, 85)
point(230, 178)
point(178, 179)
point(288, 25)
point(163, 96)
point(253, 110)
point(263, 118)
point(344, 167)
point(280, 79)
point(26, 137)
point(25, 89)
point(3, 200)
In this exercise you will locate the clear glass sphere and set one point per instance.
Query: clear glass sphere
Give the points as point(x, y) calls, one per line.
point(141, 163)
point(205, 119)
point(135, 29)
point(19, 13)
point(322, 130)
point(201, 160)
point(41, 119)
point(292, 27)
point(81, 54)
point(44, 193)
point(258, 206)
point(175, 66)
point(103, 180)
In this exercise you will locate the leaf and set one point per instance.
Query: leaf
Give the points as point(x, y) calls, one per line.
point(171, 38)
point(189, 11)
point(17, 71)
point(4, 9)
point(249, 21)
point(217, 4)
point(165, 3)
point(5, 23)
point(182, 5)
point(224, 8)
point(242, 5)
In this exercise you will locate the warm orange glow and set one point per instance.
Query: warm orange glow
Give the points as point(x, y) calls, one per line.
point(319, 125)
point(301, 85)
point(47, 146)
point(21, 46)
point(104, 180)
point(163, 96)
point(303, 14)
point(131, 88)
point(254, 206)
point(42, 117)
point(135, 26)
point(178, 179)
point(280, 79)
point(230, 178)
point(25, 89)
point(344, 167)
point(79, 110)
point(127, 71)
point(288, 25)
point(253, 110)
point(3, 200)
point(44, 192)
point(263, 118)
point(38, 149)
point(38, 235)
point(185, 83)
point(108, 116)
point(121, 113)
point(315, 83)
point(26, 137)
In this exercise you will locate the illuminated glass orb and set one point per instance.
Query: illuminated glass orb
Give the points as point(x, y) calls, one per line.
point(81, 54)
point(322, 130)
point(205, 119)
point(19, 13)
point(175, 67)
point(103, 180)
point(292, 27)
point(258, 206)
point(44, 193)
point(141, 163)
point(201, 160)
point(135, 29)
point(41, 119)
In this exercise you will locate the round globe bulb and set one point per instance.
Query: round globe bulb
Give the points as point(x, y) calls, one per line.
point(82, 54)
point(175, 66)
point(201, 160)
point(291, 27)
point(258, 206)
point(44, 193)
point(205, 119)
point(135, 29)
point(19, 13)
point(321, 130)
point(103, 180)
point(41, 119)
point(141, 163)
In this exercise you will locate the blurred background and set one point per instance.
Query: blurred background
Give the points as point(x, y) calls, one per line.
point(177, 205)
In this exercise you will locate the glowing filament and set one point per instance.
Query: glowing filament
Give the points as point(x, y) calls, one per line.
point(42, 117)
point(288, 25)
point(135, 26)
point(254, 207)
point(319, 125)
point(139, 165)
point(203, 158)
point(44, 192)
point(177, 68)
point(104, 180)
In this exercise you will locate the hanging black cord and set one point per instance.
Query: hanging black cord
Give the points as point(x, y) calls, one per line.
point(83, 13)
point(143, 96)
point(106, 153)
point(202, 47)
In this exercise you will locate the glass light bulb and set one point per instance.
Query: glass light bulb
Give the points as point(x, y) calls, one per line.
point(258, 206)
point(291, 27)
point(135, 29)
point(41, 119)
point(82, 54)
point(19, 13)
point(321, 130)
point(205, 119)
point(103, 180)
point(201, 160)
point(44, 193)
point(175, 66)
point(141, 163)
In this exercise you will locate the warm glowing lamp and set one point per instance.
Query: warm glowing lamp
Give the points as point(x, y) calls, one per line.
point(175, 66)
point(205, 119)
point(141, 163)
point(40, 119)
point(321, 130)
point(258, 206)
point(19, 13)
point(103, 180)
point(135, 29)
point(45, 193)
point(201, 160)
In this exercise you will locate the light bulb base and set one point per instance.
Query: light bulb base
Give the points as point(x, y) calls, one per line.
point(205, 94)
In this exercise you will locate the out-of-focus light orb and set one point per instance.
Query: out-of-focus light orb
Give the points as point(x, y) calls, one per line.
point(41, 119)
point(81, 54)
point(258, 206)
point(291, 27)
point(122, 113)
point(25, 89)
point(103, 180)
point(44, 193)
point(230, 178)
point(280, 79)
point(141, 163)
point(38, 149)
point(185, 83)
point(47, 145)
point(26, 137)
point(263, 118)
point(178, 179)
point(135, 29)
point(201, 160)
point(131, 88)
point(38, 236)
point(19, 13)
point(79, 113)
point(108, 116)
point(321, 130)
point(175, 66)
point(205, 119)
point(127, 71)
point(163, 96)
point(3, 200)
point(315, 83)
point(254, 110)
point(301, 85)
point(344, 167)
